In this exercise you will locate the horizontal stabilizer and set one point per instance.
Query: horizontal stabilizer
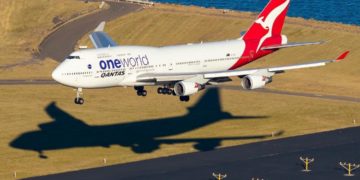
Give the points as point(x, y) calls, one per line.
point(272, 47)
point(100, 39)
point(100, 27)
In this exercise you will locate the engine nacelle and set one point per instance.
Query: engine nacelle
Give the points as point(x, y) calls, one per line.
point(185, 88)
point(255, 81)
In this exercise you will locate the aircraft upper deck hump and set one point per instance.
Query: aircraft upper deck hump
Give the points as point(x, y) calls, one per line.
point(270, 21)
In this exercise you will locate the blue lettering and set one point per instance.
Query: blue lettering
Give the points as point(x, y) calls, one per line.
point(102, 65)
point(117, 63)
point(110, 64)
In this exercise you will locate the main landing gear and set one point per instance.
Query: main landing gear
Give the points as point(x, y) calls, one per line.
point(79, 100)
point(140, 91)
point(165, 91)
point(184, 98)
point(168, 91)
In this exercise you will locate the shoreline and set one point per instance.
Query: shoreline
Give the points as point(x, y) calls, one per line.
point(256, 12)
point(351, 28)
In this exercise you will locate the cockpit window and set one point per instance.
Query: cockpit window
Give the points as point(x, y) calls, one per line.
point(73, 57)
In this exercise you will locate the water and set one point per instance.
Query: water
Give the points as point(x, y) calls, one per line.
point(342, 11)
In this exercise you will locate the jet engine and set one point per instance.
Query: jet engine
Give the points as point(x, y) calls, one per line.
point(186, 88)
point(251, 82)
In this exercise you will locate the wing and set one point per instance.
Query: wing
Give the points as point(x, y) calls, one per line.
point(100, 39)
point(275, 70)
point(224, 74)
point(273, 47)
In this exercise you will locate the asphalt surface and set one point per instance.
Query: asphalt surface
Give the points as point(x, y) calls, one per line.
point(61, 43)
point(275, 159)
point(26, 82)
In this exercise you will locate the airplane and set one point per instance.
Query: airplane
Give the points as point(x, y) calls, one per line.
point(66, 131)
point(182, 70)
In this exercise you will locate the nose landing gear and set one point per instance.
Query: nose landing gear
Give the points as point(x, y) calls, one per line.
point(79, 100)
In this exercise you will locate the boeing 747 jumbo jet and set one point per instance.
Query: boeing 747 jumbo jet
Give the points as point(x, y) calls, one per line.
point(182, 70)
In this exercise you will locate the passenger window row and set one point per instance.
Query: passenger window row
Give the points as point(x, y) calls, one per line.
point(76, 73)
point(73, 57)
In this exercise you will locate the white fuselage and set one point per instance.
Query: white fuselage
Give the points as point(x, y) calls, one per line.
point(121, 65)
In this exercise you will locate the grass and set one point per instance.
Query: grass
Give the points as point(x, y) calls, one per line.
point(24, 24)
point(294, 115)
point(22, 108)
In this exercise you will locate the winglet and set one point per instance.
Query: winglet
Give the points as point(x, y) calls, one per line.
point(342, 56)
point(100, 27)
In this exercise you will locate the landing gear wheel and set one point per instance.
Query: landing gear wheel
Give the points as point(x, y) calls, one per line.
point(79, 101)
point(139, 88)
point(159, 90)
point(184, 98)
point(165, 91)
point(187, 98)
point(139, 93)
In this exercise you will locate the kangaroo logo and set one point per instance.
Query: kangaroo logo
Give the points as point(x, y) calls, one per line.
point(268, 23)
point(261, 22)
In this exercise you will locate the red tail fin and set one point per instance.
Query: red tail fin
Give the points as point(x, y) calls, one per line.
point(265, 31)
point(270, 21)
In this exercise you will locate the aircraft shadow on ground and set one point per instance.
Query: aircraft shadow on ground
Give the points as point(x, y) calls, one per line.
point(66, 131)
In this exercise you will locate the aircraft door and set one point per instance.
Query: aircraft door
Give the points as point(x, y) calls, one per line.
point(170, 66)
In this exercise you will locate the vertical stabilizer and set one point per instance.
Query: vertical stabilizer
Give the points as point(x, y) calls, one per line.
point(270, 21)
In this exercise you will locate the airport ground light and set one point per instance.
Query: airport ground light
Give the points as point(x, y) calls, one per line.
point(219, 176)
point(307, 161)
point(349, 168)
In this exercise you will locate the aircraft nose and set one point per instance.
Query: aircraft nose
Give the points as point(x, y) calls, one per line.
point(56, 74)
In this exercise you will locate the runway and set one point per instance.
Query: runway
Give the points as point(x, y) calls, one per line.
point(275, 159)
point(27, 82)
